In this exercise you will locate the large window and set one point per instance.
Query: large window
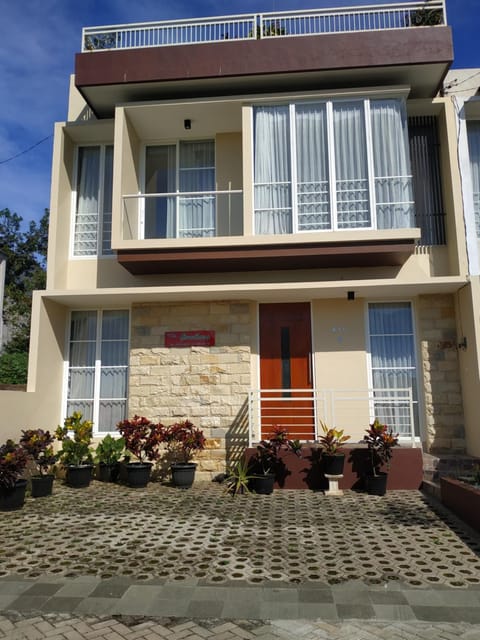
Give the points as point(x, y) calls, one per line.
point(393, 364)
point(474, 149)
point(93, 209)
point(98, 367)
point(332, 165)
point(184, 168)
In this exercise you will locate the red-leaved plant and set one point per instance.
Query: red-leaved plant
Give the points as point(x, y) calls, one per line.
point(38, 445)
point(380, 440)
point(183, 439)
point(268, 450)
point(13, 460)
point(142, 438)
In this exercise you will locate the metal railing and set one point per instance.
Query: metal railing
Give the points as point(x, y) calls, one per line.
point(186, 214)
point(398, 15)
point(300, 411)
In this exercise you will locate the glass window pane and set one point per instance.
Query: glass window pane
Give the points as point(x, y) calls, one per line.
point(86, 218)
point(110, 414)
point(81, 383)
point(351, 165)
point(113, 382)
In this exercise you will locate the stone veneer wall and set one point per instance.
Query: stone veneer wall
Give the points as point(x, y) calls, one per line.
point(441, 375)
point(208, 385)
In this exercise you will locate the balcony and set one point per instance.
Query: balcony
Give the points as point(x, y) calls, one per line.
point(399, 43)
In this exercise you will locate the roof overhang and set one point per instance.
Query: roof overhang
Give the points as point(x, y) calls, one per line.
point(417, 57)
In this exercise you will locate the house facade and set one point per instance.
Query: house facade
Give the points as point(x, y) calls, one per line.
point(258, 220)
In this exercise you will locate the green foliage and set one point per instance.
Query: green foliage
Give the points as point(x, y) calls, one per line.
point(26, 253)
point(109, 450)
point(380, 441)
point(13, 367)
point(238, 479)
point(332, 439)
point(76, 450)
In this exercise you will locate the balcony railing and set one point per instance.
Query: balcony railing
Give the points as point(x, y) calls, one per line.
point(398, 15)
point(187, 214)
point(301, 410)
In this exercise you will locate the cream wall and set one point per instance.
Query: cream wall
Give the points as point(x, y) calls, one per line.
point(338, 328)
point(40, 405)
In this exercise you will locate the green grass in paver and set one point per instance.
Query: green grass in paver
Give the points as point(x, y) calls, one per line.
point(292, 537)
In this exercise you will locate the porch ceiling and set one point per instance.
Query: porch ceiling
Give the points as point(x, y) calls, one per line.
point(269, 287)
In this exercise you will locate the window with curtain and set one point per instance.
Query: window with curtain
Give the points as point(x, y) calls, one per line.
point(98, 367)
point(341, 164)
point(93, 210)
point(474, 150)
point(393, 364)
point(184, 167)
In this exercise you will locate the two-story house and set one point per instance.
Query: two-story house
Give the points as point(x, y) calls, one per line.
point(258, 220)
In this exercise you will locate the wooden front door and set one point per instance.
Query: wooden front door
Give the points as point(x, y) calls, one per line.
point(286, 364)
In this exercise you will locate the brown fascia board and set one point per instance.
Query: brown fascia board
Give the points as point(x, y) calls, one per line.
point(396, 47)
point(279, 257)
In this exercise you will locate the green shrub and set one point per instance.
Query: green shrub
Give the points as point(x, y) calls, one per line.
point(13, 368)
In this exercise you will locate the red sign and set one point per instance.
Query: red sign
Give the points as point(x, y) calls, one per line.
point(190, 338)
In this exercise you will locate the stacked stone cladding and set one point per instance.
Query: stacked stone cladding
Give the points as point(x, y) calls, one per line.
point(441, 374)
point(208, 385)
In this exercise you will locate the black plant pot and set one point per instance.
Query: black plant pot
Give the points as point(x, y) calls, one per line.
point(263, 483)
point(108, 472)
point(79, 476)
point(333, 465)
point(138, 473)
point(41, 486)
point(183, 474)
point(12, 498)
point(376, 485)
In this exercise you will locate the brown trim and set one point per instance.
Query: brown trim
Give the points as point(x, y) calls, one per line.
point(272, 257)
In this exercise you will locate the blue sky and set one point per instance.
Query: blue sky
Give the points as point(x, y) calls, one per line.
point(38, 44)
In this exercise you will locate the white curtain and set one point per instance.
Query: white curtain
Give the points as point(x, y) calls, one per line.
point(393, 362)
point(86, 217)
point(273, 204)
point(105, 355)
point(393, 181)
point(197, 173)
point(351, 166)
point(474, 149)
point(160, 177)
point(107, 202)
point(312, 167)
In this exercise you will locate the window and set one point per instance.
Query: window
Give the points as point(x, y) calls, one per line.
point(331, 165)
point(393, 364)
point(98, 367)
point(474, 149)
point(93, 208)
point(185, 167)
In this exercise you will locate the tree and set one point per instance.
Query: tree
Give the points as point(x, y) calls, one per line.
point(25, 253)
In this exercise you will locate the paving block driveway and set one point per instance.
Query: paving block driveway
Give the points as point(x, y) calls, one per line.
point(113, 562)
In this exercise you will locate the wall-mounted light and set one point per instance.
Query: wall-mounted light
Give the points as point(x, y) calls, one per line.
point(187, 123)
point(350, 295)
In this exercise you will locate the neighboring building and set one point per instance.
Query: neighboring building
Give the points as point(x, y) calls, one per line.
point(235, 214)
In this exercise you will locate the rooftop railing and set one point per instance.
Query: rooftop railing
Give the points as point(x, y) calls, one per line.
point(398, 15)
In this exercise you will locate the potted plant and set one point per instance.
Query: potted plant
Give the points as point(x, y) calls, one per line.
point(38, 445)
point(238, 479)
point(333, 460)
point(76, 455)
point(183, 440)
point(107, 457)
point(268, 465)
point(13, 461)
point(142, 439)
point(380, 441)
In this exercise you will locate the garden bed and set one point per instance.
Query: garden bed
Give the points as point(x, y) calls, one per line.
point(463, 499)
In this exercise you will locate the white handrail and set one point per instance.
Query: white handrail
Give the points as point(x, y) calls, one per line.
point(396, 15)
